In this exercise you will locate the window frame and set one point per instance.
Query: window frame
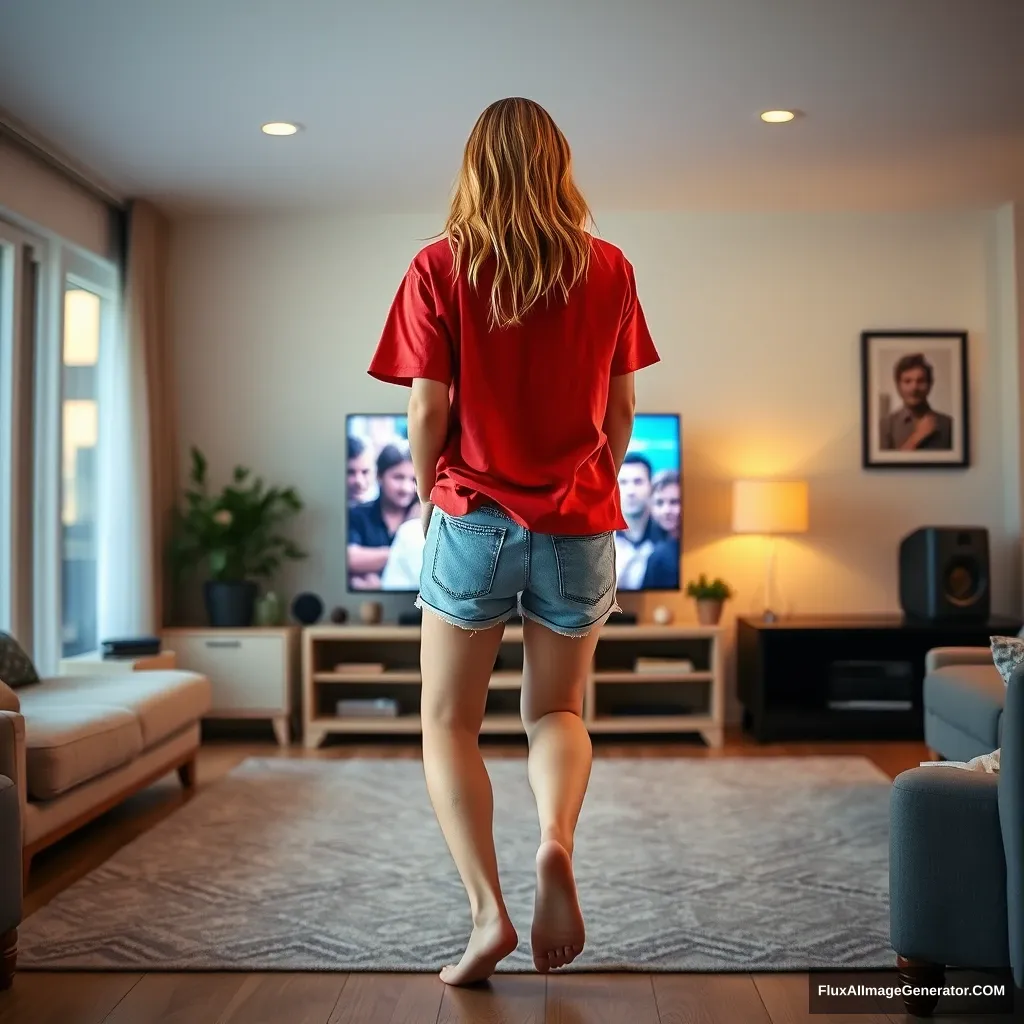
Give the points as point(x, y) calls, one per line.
point(24, 253)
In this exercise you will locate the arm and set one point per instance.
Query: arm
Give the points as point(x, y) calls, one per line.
point(941, 657)
point(1011, 814)
point(363, 560)
point(12, 754)
point(429, 409)
point(618, 417)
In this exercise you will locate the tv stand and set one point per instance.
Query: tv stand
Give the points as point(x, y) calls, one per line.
point(642, 680)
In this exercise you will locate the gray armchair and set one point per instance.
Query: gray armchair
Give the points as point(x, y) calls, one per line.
point(956, 858)
point(12, 726)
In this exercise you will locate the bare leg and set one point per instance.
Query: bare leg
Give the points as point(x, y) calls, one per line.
point(456, 667)
point(554, 681)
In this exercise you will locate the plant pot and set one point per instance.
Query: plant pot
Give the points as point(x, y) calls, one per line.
point(709, 611)
point(230, 603)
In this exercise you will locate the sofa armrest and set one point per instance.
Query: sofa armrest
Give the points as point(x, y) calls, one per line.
point(12, 755)
point(940, 657)
point(1011, 816)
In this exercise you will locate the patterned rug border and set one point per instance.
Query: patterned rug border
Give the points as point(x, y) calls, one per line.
point(81, 954)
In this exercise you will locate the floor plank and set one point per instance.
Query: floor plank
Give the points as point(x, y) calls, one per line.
point(708, 999)
point(505, 999)
point(178, 998)
point(389, 999)
point(299, 998)
point(586, 998)
point(64, 999)
point(786, 996)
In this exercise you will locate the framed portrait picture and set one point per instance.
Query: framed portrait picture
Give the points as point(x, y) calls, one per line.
point(914, 399)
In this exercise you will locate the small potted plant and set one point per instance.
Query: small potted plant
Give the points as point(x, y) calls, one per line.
point(710, 595)
point(234, 534)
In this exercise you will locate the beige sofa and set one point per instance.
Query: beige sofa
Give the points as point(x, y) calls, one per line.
point(82, 744)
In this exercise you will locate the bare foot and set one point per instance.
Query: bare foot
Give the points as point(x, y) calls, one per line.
point(488, 944)
point(558, 933)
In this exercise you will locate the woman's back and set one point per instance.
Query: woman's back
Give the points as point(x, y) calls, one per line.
point(529, 398)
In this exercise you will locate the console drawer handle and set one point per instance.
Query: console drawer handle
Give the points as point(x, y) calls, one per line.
point(223, 643)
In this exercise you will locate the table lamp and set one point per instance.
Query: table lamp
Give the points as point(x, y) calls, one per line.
point(769, 507)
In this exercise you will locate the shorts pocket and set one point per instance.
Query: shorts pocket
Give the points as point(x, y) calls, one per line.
point(586, 567)
point(465, 557)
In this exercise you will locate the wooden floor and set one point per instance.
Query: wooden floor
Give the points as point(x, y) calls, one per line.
point(582, 998)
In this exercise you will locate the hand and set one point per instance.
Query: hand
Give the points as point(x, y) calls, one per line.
point(926, 426)
point(425, 513)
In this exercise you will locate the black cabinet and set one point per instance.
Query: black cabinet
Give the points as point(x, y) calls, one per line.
point(857, 677)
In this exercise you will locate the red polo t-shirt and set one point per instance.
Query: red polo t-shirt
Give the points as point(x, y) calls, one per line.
point(528, 401)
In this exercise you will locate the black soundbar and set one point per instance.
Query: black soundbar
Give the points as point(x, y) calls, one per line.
point(130, 647)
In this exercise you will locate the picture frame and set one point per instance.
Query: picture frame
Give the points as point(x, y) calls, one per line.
point(915, 399)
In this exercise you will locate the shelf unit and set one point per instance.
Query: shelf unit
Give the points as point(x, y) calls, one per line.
point(619, 697)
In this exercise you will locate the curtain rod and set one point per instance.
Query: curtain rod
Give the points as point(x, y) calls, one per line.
point(64, 165)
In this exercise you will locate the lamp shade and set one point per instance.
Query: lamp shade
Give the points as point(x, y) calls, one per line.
point(769, 506)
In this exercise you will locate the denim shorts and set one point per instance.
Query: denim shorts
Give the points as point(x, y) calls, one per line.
point(482, 568)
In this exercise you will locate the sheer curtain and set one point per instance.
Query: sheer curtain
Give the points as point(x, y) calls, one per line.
point(137, 454)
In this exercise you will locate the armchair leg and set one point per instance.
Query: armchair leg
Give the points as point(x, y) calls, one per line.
point(187, 773)
point(920, 973)
point(8, 957)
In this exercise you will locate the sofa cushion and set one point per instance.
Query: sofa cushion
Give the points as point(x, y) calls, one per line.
point(971, 697)
point(8, 698)
point(66, 745)
point(163, 701)
point(16, 668)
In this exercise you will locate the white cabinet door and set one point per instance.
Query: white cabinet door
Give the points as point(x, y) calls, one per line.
point(246, 673)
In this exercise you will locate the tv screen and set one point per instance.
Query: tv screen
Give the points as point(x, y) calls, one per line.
point(385, 539)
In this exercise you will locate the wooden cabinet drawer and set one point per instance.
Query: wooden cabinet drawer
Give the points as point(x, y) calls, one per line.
point(246, 672)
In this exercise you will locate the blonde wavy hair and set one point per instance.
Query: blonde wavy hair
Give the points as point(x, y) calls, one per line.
point(515, 199)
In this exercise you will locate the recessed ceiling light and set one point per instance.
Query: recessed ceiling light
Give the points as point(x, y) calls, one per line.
point(279, 128)
point(778, 116)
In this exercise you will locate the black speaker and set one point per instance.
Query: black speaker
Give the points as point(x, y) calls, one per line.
point(944, 573)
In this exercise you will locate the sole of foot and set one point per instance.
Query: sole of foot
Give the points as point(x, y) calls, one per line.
point(558, 934)
point(488, 946)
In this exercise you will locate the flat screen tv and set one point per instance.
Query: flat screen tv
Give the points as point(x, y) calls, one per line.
point(384, 549)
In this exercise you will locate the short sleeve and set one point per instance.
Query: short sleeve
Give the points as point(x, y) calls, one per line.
point(634, 348)
point(355, 527)
point(414, 343)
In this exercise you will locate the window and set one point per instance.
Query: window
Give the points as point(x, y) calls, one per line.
point(79, 434)
point(89, 310)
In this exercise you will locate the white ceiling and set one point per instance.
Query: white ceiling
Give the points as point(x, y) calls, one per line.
point(908, 102)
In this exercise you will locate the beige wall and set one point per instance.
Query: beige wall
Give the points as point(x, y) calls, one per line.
point(758, 320)
point(39, 195)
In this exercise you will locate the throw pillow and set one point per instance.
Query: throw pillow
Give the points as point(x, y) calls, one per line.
point(16, 668)
point(8, 698)
point(1007, 654)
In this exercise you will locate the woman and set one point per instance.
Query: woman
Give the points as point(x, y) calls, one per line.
point(518, 333)
point(662, 572)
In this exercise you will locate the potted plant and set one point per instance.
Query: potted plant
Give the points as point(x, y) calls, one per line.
point(710, 595)
point(233, 533)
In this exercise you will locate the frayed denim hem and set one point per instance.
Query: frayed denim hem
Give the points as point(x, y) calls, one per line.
point(468, 626)
point(569, 631)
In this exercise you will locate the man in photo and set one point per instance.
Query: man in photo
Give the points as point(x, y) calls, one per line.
point(359, 474)
point(633, 546)
point(915, 426)
point(372, 526)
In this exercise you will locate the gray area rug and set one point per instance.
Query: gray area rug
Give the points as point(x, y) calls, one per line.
point(734, 864)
